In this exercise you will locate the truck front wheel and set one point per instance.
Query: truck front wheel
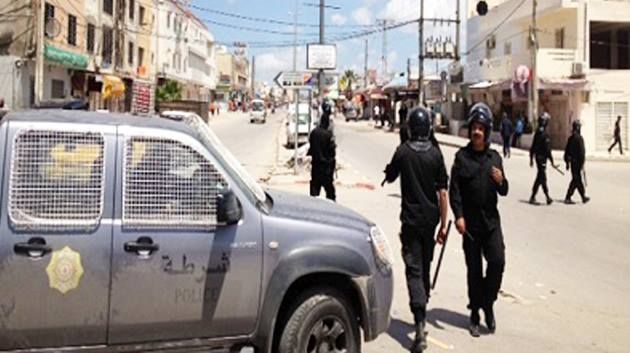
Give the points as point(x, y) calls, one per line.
point(322, 321)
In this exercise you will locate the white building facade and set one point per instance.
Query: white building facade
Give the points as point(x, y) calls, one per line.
point(583, 64)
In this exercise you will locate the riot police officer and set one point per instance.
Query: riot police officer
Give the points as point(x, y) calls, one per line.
point(541, 151)
point(423, 183)
point(574, 157)
point(322, 150)
point(477, 178)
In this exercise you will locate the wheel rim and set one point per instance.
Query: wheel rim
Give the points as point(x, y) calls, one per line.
point(328, 335)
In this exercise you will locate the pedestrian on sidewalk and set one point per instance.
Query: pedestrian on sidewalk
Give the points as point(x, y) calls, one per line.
point(402, 116)
point(518, 131)
point(574, 157)
point(507, 129)
point(617, 136)
point(322, 149)
point(476, 179)
point(541, 152)
point(423, 184)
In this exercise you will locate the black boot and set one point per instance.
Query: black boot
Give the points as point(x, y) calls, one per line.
point(586, 199)
point(420, 342)
point(490, 320)
point(474, 323)
point(532, 200)
point(549, 200)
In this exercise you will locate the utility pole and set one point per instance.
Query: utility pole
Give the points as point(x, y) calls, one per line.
point(533, 86)
point(295, 19)
point(320, 78)
point(40, 15)
point(253, 77)
point(384, 23)
point(457, 35)
point(365, 66)
point(421, 54)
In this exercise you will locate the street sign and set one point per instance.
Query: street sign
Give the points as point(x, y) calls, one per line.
point(321, 57)
point(294, 79)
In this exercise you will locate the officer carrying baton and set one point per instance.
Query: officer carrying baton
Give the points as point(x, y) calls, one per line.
point(437, 269)
point(557, 169)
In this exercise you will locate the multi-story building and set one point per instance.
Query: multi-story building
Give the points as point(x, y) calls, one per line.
point(583, 63)
point(233, 75)
point(185, 51)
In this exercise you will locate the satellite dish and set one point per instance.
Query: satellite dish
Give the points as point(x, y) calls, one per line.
point(482, 8)
point(52, 28)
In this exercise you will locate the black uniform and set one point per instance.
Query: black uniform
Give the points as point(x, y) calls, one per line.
point(473, 195)
point(617, 136)
point(403, 131)
point(322, 151)
point(422, 174)
point(574, 157)
point(541, 151)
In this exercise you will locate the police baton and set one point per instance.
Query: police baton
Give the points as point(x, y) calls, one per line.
point(558, 169)
point(437, 269)
point(584, 176)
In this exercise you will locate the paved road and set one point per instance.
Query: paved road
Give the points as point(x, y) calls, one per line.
point(568, 269)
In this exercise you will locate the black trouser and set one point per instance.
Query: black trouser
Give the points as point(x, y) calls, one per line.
point(322, 176)
point(483, 290)
point(506, 146)
point(576, 181)
point(516, 140)
point(617, 141)
point(403, 133)
point(417, 252)
point(541, 177)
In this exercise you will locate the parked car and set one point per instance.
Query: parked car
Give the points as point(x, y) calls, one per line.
point(258, 111)
point(350, 112)
point(305, 123)
point(122, 233)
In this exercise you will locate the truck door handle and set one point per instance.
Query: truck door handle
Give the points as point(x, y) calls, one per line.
point(35, 248)
point(143, 247)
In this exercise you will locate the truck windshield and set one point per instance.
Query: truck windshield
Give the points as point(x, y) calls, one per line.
point(225, 156)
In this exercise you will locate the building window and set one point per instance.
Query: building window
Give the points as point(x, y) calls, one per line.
point(108, 7)
point(168, 20)
point(141, 16)
point(72, 30)
point(132, 9)
point(49, 13)
point(90, 38)
point(507, 48)
point(130, 54)
point(140, 56)
point(560, 38)
point(107, 45)
point(57, 89)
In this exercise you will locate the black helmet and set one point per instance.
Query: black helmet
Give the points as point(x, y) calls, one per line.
point(326, 107)
point(480, 113)
point(577, 126)
point(543, 120)
point(420, 123)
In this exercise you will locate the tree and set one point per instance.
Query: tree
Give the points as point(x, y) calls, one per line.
point(169, 91)
point(348, 78)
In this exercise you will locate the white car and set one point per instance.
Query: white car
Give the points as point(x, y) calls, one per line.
point(258, 111)
point(304, 126)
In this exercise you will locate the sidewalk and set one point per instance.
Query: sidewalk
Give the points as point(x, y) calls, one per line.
point(558, 155)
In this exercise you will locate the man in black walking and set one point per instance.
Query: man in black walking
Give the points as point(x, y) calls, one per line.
point(617, 136)
point(322, 150)
point(477, 178)
point(423, 184)
point(403, 130)
point(541, 152)
point(507, 129)
point(574, 157)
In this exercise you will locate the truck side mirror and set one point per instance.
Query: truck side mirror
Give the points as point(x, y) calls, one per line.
point(229, 210)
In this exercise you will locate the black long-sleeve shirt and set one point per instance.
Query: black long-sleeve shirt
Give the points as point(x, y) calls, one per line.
point(574, 153)
point(473, 192)
point(422, 172)
point(541, 147)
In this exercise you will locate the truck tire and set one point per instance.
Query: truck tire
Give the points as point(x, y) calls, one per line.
point(322, 321)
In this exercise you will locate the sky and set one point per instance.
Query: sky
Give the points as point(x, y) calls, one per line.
point(353, 17)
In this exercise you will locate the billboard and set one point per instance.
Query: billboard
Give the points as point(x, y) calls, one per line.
point(321, 57)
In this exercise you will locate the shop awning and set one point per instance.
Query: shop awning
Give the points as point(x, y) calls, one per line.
point(113, 87)
point(396, 84)
point(563, 84)
point(65, 58)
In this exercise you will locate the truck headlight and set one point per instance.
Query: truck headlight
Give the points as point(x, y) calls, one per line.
point(382, 249)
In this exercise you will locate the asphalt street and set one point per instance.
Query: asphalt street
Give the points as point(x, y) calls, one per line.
point(567, 267)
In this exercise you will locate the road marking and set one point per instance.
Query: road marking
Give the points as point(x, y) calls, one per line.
point(440, 344)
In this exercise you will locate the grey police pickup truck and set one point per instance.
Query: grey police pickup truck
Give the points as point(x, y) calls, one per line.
point(127, 234)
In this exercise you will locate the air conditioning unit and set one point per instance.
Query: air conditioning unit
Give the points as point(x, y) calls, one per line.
point(577, 69)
